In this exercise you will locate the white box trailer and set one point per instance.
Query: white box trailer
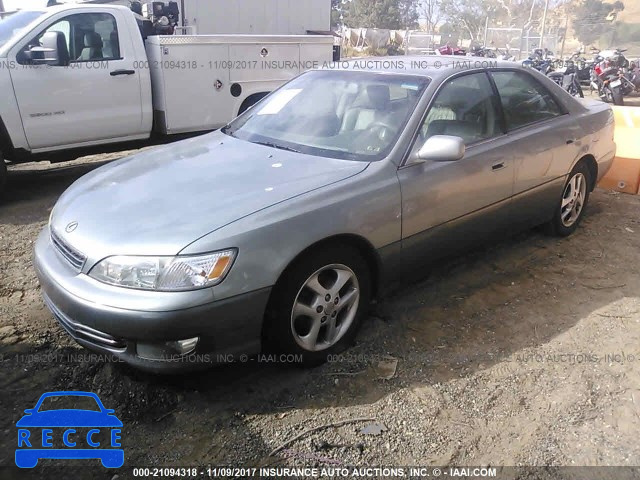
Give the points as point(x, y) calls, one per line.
point(258, 17)
point(197, 80)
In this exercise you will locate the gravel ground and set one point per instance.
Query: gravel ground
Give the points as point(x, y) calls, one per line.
point(524, 353)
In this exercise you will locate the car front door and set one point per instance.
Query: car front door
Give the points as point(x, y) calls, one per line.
point(447, 206)
point(97, 97)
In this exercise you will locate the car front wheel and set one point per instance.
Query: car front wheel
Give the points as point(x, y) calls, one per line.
point(319, 304)
point(574, 200)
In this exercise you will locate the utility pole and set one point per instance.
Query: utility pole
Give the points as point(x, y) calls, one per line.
point(544, 23)
point(564, 37)
point(486, 30)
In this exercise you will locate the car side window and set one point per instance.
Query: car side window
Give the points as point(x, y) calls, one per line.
point(524, 100)
point(89, 37)
point(464, 107)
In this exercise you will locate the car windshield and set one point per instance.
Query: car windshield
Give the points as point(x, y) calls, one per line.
point(14, 23)
point(336, 114)
point(69, 402)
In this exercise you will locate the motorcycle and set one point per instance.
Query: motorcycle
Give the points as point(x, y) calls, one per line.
point(608, 76)
point(567, 78)
point(480, 51)
point(631, 78)
point(506, 55)
point(583, 67)
point(563, 73)
point(449, 50)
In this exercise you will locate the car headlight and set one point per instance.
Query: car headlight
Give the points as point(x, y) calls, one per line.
point(168, 274)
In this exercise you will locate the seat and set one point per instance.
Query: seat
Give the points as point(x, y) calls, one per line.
point(375, 107)
point(469, 131)
point(92, 47)
point(111, 47)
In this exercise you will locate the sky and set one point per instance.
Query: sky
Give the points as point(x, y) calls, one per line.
point(15, 4)
point(25, 4)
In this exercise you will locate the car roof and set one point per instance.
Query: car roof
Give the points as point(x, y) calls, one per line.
point(432, 66)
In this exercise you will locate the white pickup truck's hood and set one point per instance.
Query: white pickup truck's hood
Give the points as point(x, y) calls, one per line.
point(159, 201)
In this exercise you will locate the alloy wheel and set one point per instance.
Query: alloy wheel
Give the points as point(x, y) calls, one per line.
point(573, 199)
point(325, 307)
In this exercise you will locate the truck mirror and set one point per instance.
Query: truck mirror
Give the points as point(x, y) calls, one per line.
point(52, 50)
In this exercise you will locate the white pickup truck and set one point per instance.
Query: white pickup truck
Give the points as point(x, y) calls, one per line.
point(80, 76)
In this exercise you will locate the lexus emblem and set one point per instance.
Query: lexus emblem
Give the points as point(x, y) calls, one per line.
point(71, 227)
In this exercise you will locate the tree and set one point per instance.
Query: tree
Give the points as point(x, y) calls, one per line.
point(336, 13)
point(431, 14)
point(593, 18)
point(467, 17)
point(391, 14)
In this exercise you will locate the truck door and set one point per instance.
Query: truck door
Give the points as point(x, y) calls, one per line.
point(96, 98)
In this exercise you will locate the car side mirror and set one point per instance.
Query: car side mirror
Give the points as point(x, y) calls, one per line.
point(441, 148)
point(52, 51)
point(29, 411)
point(109, 411)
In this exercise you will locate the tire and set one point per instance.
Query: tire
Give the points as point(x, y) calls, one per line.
point(616, 97)
point(300, 319)
point(569, 213)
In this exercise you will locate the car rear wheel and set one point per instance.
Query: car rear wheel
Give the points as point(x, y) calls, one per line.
point(573, 202)
point(318, 305)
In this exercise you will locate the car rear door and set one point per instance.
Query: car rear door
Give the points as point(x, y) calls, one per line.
point(447, 206)
point(542, 134)
point(97, 97)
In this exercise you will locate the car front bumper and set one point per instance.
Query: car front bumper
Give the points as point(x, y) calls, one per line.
point(118, 322)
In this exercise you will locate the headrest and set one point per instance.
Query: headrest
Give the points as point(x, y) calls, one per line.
point(379, 96)
point(458, 97)
point(92, 40)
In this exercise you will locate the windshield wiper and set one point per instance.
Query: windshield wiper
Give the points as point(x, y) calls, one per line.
point(280, 147)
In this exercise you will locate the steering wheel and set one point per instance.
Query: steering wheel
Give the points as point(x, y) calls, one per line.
point(384, 130)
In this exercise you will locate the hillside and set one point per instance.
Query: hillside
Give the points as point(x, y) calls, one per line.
point(631, 12)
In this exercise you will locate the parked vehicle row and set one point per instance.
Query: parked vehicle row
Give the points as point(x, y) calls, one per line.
point(275, 233)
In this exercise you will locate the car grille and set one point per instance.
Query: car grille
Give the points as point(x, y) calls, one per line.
point(82, 332)
point(71, 255)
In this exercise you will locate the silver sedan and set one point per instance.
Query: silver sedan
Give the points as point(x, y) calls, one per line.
point(275, 233)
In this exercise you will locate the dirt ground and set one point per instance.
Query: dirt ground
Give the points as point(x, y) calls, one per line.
point(524, 353)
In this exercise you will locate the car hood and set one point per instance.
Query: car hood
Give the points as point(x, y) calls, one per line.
point(159, 201)
point(69, 418)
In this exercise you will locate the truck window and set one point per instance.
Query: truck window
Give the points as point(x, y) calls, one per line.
point(89, 36)
point(61, 26)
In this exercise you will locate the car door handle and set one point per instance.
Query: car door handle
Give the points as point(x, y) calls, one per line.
point(116, 73)
point(497, 166)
